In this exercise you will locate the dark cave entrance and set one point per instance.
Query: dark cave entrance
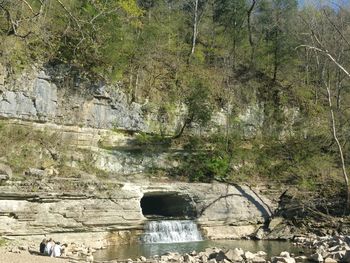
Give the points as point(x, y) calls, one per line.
point(169, 205)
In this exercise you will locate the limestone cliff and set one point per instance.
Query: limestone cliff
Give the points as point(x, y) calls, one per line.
point(109, 208)
point(102, 207)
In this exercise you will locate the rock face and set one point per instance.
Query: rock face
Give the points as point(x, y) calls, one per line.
point(35, 96)
point(113, 207)
point(58, 94)
point(105, 209)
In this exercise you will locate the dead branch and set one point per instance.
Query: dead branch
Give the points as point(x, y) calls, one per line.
point(325, 52)
point(69, 13)
point(29, 6)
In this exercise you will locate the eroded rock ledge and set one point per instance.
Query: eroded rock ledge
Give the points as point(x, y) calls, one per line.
point(109, 210)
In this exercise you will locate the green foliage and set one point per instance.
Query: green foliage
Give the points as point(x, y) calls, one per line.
point(94, 35)
point(3, 242)
point(277, 24)
point(145, 46)
point(87, 164)
point(143, 138)
point(198, 103)
point(24, 148)
point(204, 167)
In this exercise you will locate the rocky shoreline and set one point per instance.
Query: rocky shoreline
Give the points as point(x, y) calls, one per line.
point(328, 249)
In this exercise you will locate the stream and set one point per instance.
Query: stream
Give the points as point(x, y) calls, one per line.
point(133, 251)
point(183, 236)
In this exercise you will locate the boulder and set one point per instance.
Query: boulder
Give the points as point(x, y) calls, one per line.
point(188, 259)
point(89, 258)
point(317, 257)
point(283, 259)
point(334, 248)
point(299, 239)
point(210, 251)
point(259, 234)
point(234, 255)
point(249, 255)
point(322, 250)
point(337, 255)
point(275, 222)
point(281, 232)
point(203, 258)
point(257, 259)
point(35, 172)
point(285, 254)
point(300, 258)
point(330, 260)
point(220, 256)
point(261, 253)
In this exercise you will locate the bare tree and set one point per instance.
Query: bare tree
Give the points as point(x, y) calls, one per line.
point(320, 48)
point(249, 15)
point(195, 26)
point(197, 8)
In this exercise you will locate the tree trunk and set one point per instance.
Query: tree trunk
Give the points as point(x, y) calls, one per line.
point(251, 42)
point(334, 132)
point(195, 27)
point(187, 122)
point(275, 58)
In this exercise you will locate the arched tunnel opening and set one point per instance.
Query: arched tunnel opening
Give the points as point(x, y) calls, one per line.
point(167, 205)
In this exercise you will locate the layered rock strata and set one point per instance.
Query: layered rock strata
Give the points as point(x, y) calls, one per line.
point(110, 208)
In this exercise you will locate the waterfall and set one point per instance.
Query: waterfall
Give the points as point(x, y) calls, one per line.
point(171, 231)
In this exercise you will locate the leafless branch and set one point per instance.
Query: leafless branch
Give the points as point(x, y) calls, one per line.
point(29, 6)
point(325, 52)
point(336, 28)
point(69, 13)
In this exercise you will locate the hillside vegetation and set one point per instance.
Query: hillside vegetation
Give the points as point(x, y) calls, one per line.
point(230, 56)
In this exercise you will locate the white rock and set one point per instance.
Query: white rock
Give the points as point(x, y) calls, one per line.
point(258, 260)
point(261, 253)
point(249, 255)
point(189, 259)
point(285, 254)
point(234, 255)
point(239, 251)
point(300, 258)
point(89, 258)
point(330, 260)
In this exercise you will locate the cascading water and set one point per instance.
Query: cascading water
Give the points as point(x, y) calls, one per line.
point(171, 231)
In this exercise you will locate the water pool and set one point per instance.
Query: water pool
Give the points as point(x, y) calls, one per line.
point(272, 248)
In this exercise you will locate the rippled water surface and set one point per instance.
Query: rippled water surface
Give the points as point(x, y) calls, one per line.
point(272, 248)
